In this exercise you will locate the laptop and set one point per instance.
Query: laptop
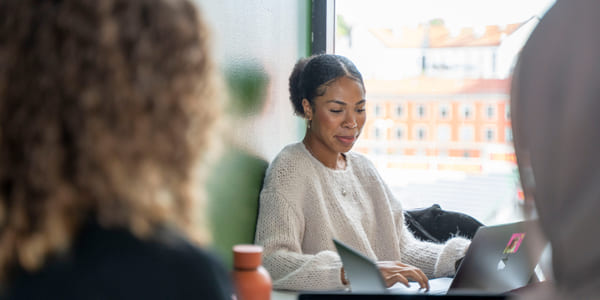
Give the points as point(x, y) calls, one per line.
point(501, 258)
point(348, 296)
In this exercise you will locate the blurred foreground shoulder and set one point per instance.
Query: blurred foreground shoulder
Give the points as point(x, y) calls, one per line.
point(115, 264)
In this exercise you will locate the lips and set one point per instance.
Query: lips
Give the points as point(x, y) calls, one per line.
point(346, 140)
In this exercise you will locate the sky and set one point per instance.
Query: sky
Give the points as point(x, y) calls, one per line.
point(456, 13)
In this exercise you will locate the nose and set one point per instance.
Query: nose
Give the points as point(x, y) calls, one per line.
point(350, 121)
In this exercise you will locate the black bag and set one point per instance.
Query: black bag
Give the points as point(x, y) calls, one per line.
point(437, 225)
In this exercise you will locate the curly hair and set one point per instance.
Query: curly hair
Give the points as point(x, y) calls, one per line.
point(105, 110)
point(311, 76)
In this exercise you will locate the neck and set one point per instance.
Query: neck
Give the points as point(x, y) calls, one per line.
point(332, 160)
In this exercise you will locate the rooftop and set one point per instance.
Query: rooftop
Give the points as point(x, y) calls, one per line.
point(439, 36)
point(437, 86)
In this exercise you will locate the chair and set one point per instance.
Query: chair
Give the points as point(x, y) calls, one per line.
point(233, 189)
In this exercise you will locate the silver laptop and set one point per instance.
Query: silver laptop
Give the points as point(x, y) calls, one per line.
point(501, 258)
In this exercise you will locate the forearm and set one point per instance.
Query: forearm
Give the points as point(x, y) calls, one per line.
point(294, 271)
point(436, 260)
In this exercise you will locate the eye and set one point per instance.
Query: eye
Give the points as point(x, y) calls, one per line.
point(335, 111)
point(361, 110)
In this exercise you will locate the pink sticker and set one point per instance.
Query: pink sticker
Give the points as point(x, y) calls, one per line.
point(514, 243)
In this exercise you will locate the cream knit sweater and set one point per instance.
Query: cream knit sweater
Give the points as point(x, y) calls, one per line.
point(303, 205)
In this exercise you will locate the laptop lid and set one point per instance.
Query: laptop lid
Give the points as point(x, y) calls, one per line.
point(501, 258)
point(361, 271)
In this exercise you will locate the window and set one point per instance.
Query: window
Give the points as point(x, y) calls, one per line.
point(399, 111)
point(444, 109)
point(420, 132)
point(420, 111)
point(443, 133)
point(490, 111)
point(466, 133)
point(508, 137)
point(399, 133)
point(466, 111)
point(449, 95)
point(378, 110)
point(489, 134)
point(378, 133)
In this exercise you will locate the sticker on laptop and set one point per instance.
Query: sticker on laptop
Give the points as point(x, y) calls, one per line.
point(514, 243)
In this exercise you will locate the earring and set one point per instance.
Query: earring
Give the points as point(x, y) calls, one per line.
point(308, 121)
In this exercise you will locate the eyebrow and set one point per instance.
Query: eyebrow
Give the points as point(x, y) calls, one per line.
point(344, 103)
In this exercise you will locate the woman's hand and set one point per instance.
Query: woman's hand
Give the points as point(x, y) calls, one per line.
point(394, 271)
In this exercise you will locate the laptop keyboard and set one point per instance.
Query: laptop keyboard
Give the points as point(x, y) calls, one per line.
point(437, 286)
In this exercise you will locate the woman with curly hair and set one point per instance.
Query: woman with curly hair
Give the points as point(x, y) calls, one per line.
point(105, 112)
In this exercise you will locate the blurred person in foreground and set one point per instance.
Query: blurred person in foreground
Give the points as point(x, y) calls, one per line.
point(555, 110)
point(105, 112)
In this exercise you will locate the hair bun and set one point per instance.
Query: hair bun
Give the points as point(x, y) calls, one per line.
point(296, 89)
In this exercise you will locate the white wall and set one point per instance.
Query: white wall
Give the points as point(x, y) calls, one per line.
point(270, 34)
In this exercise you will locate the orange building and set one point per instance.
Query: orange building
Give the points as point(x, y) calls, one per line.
point(439, 117)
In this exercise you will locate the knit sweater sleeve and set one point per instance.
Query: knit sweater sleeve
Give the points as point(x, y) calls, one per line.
point(435, 260)
point(280, 230)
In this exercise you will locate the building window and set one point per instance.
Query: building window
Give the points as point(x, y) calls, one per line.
point(507, 111)
point(421, 133)
point(508, 136)
point(490, 111)
point(378, 133)
point(466, 111)
point(399, 133)
point(489, 134)
point(399, 110)
point(443, 133)
point(466, 133)
point(420, 111)
point(378, 110)
point(444, 110)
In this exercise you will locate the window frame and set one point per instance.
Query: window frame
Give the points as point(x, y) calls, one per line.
point(486, 109)
point(323, 26)
point(425, 129)
point(471, 108)
point(461, 135)
point(418, 107)
point(484, 133)
point(402, 128)
point(447, 107)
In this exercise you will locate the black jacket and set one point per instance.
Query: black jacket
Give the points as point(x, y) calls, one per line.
point(114, 264)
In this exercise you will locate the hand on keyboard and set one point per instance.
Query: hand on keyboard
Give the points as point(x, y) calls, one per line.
point(394, 271)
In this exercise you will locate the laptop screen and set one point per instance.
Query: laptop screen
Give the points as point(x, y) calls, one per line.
point(501, 258)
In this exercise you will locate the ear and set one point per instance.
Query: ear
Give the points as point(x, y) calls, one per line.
point(308, 113)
